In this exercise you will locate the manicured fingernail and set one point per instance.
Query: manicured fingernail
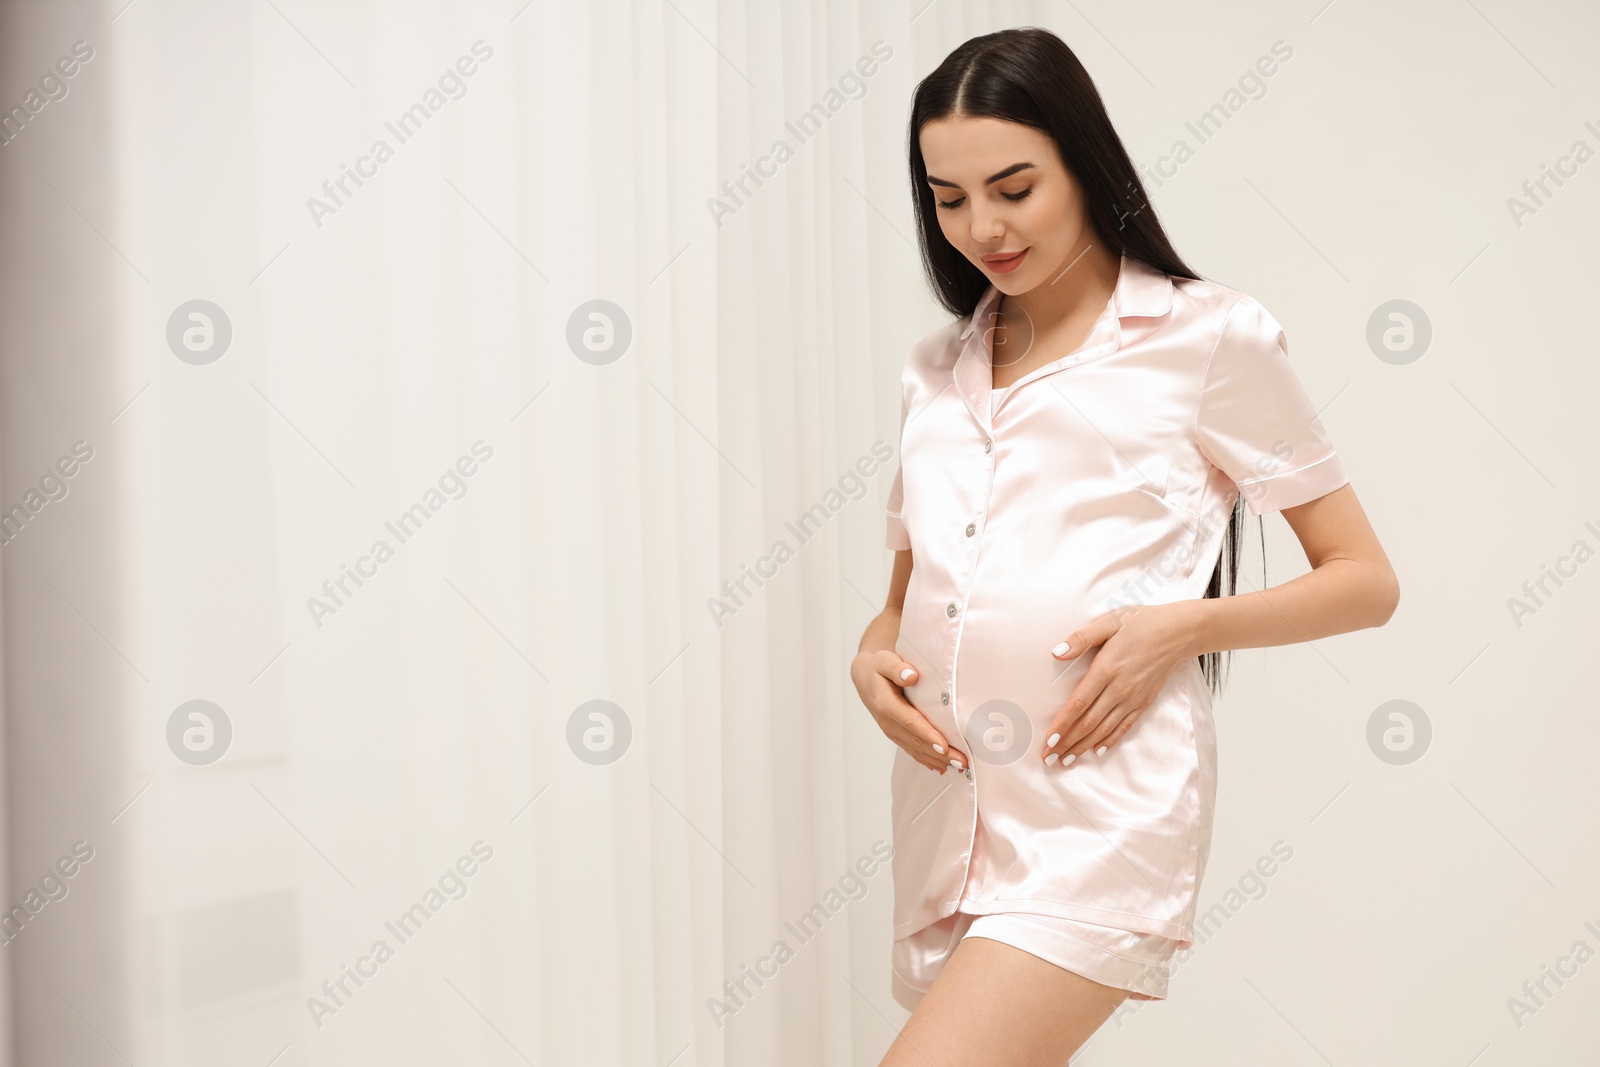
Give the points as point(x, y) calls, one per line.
point(939, 749)
point(956, 764)
point(908, 672)
point(1050, 760)
point(1070, 757)
point(1061, 650)
point(1101, 751)
point(1051, 743)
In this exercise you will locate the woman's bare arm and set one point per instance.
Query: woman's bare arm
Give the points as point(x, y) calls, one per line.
point(1351, 585)
point(892, 608)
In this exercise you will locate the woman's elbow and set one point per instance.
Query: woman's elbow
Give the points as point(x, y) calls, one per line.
point(1385, 596)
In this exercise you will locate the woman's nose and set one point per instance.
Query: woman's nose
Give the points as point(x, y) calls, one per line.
point(987, 225)
point(987, 230)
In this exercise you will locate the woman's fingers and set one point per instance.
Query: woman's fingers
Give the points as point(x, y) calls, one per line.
point(1092, 743)
point(1127, 717)
point(1080, 714)
point(925, 743)
point(1111, 720)
point(914, 732)
point(897, 670)
point(1097, 632)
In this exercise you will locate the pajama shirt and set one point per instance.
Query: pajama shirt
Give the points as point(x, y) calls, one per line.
point(1102, 479)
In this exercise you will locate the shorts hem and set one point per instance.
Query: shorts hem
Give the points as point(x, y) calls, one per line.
point(1098, 960)
point(1140, 979)
point(1179, 932)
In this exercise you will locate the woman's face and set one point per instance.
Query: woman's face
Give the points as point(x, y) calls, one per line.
point(1000, 189)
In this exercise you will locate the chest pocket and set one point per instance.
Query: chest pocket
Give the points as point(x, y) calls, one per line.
point(1181, 507)
point(1169, 494)
point(1139, 484)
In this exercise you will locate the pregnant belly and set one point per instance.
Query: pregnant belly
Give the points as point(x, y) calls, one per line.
point(993, 661)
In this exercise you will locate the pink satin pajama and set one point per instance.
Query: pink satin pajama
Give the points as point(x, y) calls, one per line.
point(1102, 479)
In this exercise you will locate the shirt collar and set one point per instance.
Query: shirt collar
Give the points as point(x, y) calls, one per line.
point(1141, 292)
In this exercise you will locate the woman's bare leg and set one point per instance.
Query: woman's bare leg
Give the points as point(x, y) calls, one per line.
point(994, 1004)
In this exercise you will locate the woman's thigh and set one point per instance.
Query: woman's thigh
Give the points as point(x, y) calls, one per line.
point(994, 1004)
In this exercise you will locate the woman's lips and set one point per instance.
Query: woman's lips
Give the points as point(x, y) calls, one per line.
point(1004, 264)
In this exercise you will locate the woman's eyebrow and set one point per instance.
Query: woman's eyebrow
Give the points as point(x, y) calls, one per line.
point(1001, 176)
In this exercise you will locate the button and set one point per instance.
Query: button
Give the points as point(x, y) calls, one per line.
point(987, 445)
point(950, 609)
point(972, 528)
point(968, 773)
point(944, 697)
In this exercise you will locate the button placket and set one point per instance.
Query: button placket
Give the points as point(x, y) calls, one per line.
point(974, 547)
point(950, 611)
point(970, 372)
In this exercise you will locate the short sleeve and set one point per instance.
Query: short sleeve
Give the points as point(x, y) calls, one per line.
point(897, 537)
point(1256, 423)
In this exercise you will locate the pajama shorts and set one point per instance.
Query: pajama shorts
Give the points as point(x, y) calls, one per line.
point(1138, 962)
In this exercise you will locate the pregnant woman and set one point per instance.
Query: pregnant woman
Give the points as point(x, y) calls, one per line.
point(1077, 450)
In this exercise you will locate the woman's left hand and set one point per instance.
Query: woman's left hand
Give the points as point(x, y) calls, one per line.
point(1139, 646)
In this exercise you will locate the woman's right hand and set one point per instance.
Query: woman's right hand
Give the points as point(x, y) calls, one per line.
point(878, 676)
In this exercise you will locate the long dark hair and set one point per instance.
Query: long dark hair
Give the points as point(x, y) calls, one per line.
point(1029, 76)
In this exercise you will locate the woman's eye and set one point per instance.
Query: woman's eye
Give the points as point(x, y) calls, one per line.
point(1017, 196)
point(953, 203)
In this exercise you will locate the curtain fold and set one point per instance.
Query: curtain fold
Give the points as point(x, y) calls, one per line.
point(454, 374)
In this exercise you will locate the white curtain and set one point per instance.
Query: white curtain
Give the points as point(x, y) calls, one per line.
point(391, 711)
point(521, 622)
